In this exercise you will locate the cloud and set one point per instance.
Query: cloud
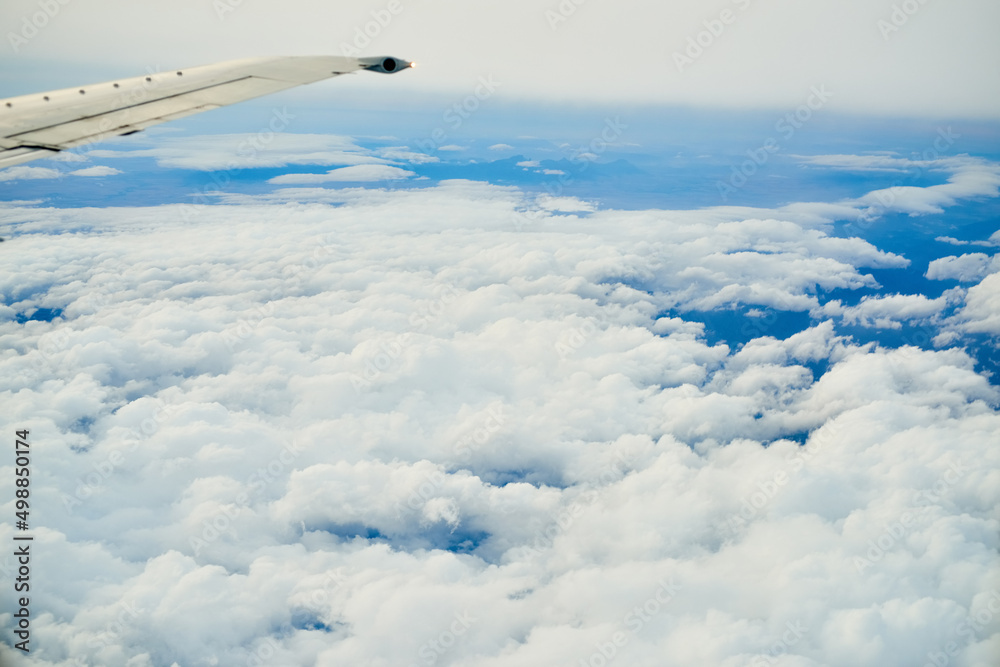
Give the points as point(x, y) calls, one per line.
point(862, 163)
point(249, 151)
point(360, 173)
point(404, 153)
point(953, 241)
point(887, 312)
point(28, 173)
point(501, 147)
point(96, 171)
point(981, 313)
point(968, 177)
point(69, 156)
point(463, 424)
point(965, 268)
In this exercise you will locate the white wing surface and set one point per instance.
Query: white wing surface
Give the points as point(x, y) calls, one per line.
point(40, 125)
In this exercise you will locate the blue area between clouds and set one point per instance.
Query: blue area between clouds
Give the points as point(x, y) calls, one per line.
point(38, 315)
point(457, 539)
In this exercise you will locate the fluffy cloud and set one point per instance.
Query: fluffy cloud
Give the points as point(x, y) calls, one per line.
point(888, 312)
point(247, 151)
point(968, 177)
point(992, 242)
point(69, 156)
point(28, 173)
point(403, 153)
point(981, 313)
point(96, 171)
point(465, 425)
point(885, 162)
point(965, 268)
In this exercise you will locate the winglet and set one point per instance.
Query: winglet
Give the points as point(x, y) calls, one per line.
point(384, 64)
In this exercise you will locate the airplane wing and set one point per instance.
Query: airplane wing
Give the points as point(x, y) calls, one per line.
point(40, 125)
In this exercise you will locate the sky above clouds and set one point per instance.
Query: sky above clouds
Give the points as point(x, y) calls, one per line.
point(933, 59)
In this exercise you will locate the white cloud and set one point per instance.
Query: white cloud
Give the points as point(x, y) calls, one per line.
point(969, 177)
point(965, 268)
point(981, 313)
point(276, 434)
point(69, 156)
point(992, 242)
point(452, 147)
point(863, 163)
point(360, 173)
point(28, 173)
point(887, 312)
point(405, 154)
point(96, 171)
point(501, 147)
point(249, 151)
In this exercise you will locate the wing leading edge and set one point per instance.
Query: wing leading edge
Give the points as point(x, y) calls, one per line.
point(42, 124)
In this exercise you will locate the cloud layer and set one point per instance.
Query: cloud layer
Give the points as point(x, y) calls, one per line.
point(465, 425)
point(356, 174)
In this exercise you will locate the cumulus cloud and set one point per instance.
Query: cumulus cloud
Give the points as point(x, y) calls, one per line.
point(249, 151)
point(981, 313)
point(466, 425)
point(403, 153)
point(965, 268)
point(968, 177)
point(501, 147)
point(887, 312)
point(950, 240)
point(69, 156)
point(863, 163)
point(28, 173)
point(360, 173)
point(96, 171)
